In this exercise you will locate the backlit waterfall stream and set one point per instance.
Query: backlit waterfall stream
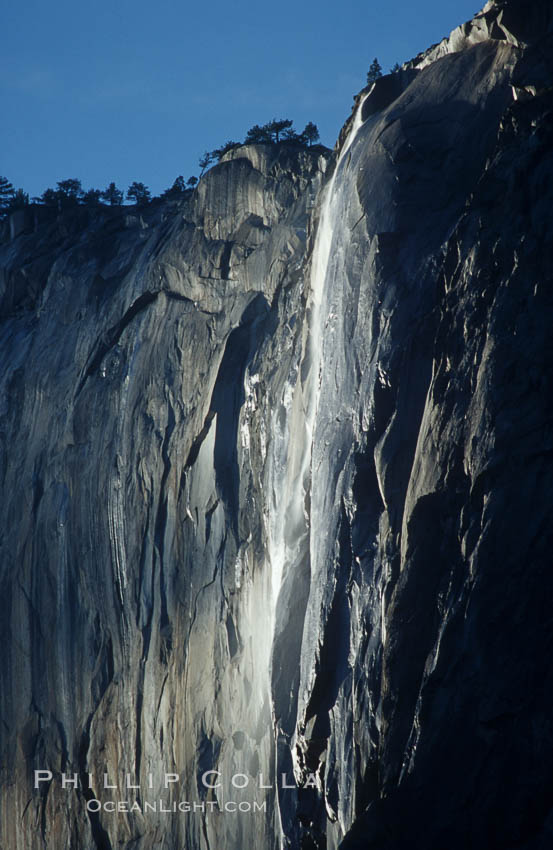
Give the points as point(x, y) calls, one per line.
point(293, 427)
point(289, 522)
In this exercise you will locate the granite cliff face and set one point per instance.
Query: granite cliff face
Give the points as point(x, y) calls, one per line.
point(275, 472)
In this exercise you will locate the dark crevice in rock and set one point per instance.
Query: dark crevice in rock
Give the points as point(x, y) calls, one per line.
point(159, 700)
point(332, 665)
point(138, 721)
point(208, 750)
point(205, 833)
point(227, 400)
point(34, 618)
point(38, 492)
point(99, 834)
point(113, 335)
point(197, 444)
point(225, 260)
point(161, 524)
point(200, 591)
point(63, 744)
point(232, 637)
point(368, 506)
point(208, 519)
point(105, 669)
point(29, 801)
point(44, 791)
point(111, 338)
point(146, 638)
point(177, 296)
point(142, 566)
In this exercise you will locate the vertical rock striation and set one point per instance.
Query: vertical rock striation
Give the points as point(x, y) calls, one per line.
point(275, 472)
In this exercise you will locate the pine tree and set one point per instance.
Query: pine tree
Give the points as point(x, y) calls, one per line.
point(179, 185)
point(112, 195)
point(6, 195)
point(192, 181)
point(290, 135)
point(176, 190)
point(278, 126)
point(49, 198)
point(91, 198)
point(69, 192)
point(139, 193)
point(258, 135)
point(228, 146)
point(19, 200)
point(375, 71)
point(205, 161)
point(311, 133)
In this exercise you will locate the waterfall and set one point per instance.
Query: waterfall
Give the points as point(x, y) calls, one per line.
point(288, 531)
point(288, 523)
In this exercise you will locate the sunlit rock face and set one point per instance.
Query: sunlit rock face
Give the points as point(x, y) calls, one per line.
point(135, 598)
point(275, 475)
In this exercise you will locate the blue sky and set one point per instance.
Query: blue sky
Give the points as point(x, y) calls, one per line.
point(138, 90)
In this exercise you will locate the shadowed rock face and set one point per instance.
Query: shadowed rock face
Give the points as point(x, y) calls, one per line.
point(265, 513)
